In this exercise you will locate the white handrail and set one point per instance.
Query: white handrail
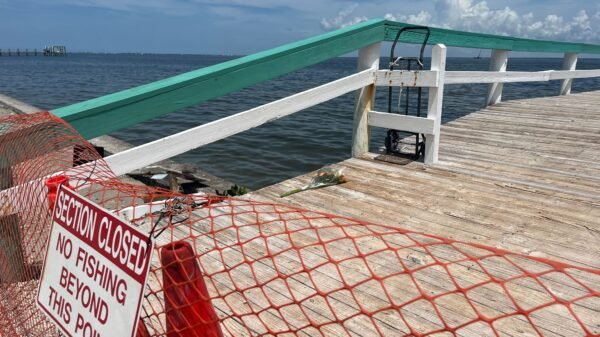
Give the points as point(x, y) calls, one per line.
point(164, 148)
point(401, 122)
point(468, 77)
point(434, 79)
point(407, 78)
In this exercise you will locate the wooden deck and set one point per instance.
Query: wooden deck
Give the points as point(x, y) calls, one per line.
point(521, 175)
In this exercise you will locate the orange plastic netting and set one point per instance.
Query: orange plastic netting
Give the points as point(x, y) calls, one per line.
point(224, 266)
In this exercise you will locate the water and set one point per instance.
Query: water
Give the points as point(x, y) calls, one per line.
point(259, 157)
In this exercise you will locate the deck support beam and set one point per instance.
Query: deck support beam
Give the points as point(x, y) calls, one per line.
point(434, 103)
point(368, 58)
point(569, 63)
point(498, 62)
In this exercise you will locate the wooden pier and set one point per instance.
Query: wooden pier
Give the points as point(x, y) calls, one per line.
point(55, 51)
point(46, 51)
point(521, 175)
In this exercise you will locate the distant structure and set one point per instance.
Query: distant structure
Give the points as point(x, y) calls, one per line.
point(47, 51)
point(55, 51)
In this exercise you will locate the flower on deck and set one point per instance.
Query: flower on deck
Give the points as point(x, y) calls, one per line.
point(326, 176)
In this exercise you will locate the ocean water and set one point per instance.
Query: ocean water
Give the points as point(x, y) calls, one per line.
point(265, 155)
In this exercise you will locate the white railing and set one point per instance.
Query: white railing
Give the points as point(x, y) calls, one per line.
point(149, 153)
point(364, 83)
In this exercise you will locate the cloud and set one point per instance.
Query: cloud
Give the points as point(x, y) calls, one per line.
point(193, 7)
point(173, 7)
point(343, 19)
point(477, 16)
point(177, 7)
point(422, 18)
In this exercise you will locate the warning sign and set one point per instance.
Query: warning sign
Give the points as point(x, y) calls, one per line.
point(95, 270)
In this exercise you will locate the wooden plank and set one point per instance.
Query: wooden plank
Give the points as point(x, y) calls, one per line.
point(461, 77)
point(512, 165)
point(552, 109)
point(541, 111)
point(569, 64)
point(487, 198)
point(380, 208)
point(435, 102)
point(401, 122)
point(566, 74)
point(428, 280)
point(583, 169)
point(343, 303)
point(527, 128)
point(389, 203)
point(496, 199)
point(184, 141)
point(537, 114)
point(555, 179)
point(368, 58)
point(585, 165)
point(407, 78)
point(384, 207)
point(552, 163)
point(544, 140)
point(533, 120)
point(498, 63)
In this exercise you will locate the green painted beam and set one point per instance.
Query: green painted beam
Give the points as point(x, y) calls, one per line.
point(119, 110)
point(112, 112)
point(456, 38)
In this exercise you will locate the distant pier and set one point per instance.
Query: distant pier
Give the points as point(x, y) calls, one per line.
point(46, 51)
point(55, 51)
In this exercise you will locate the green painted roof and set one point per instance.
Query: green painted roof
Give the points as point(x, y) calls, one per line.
point(106, 114)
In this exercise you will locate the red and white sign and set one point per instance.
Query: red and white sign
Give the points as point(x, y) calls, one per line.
point(95, 270)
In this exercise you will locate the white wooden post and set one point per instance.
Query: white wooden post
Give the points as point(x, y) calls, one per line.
point(498, 61)
point(569, 63)
point(434, 104)
point(368, 58)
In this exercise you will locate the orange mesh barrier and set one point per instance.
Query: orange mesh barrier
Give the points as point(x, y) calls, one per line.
point(231, 267)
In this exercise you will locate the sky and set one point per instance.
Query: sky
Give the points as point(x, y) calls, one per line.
point(237, 27)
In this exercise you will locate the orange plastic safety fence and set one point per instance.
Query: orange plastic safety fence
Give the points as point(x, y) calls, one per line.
point(231, 267)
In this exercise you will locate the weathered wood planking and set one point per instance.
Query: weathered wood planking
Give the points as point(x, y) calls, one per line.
point(508, 177)
point(520, 175)
point(293, 286)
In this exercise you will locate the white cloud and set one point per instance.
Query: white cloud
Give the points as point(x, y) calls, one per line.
point(422, 18)
point(173, 7)
point(343, 19)
point(192, 7)
point(477, 16)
